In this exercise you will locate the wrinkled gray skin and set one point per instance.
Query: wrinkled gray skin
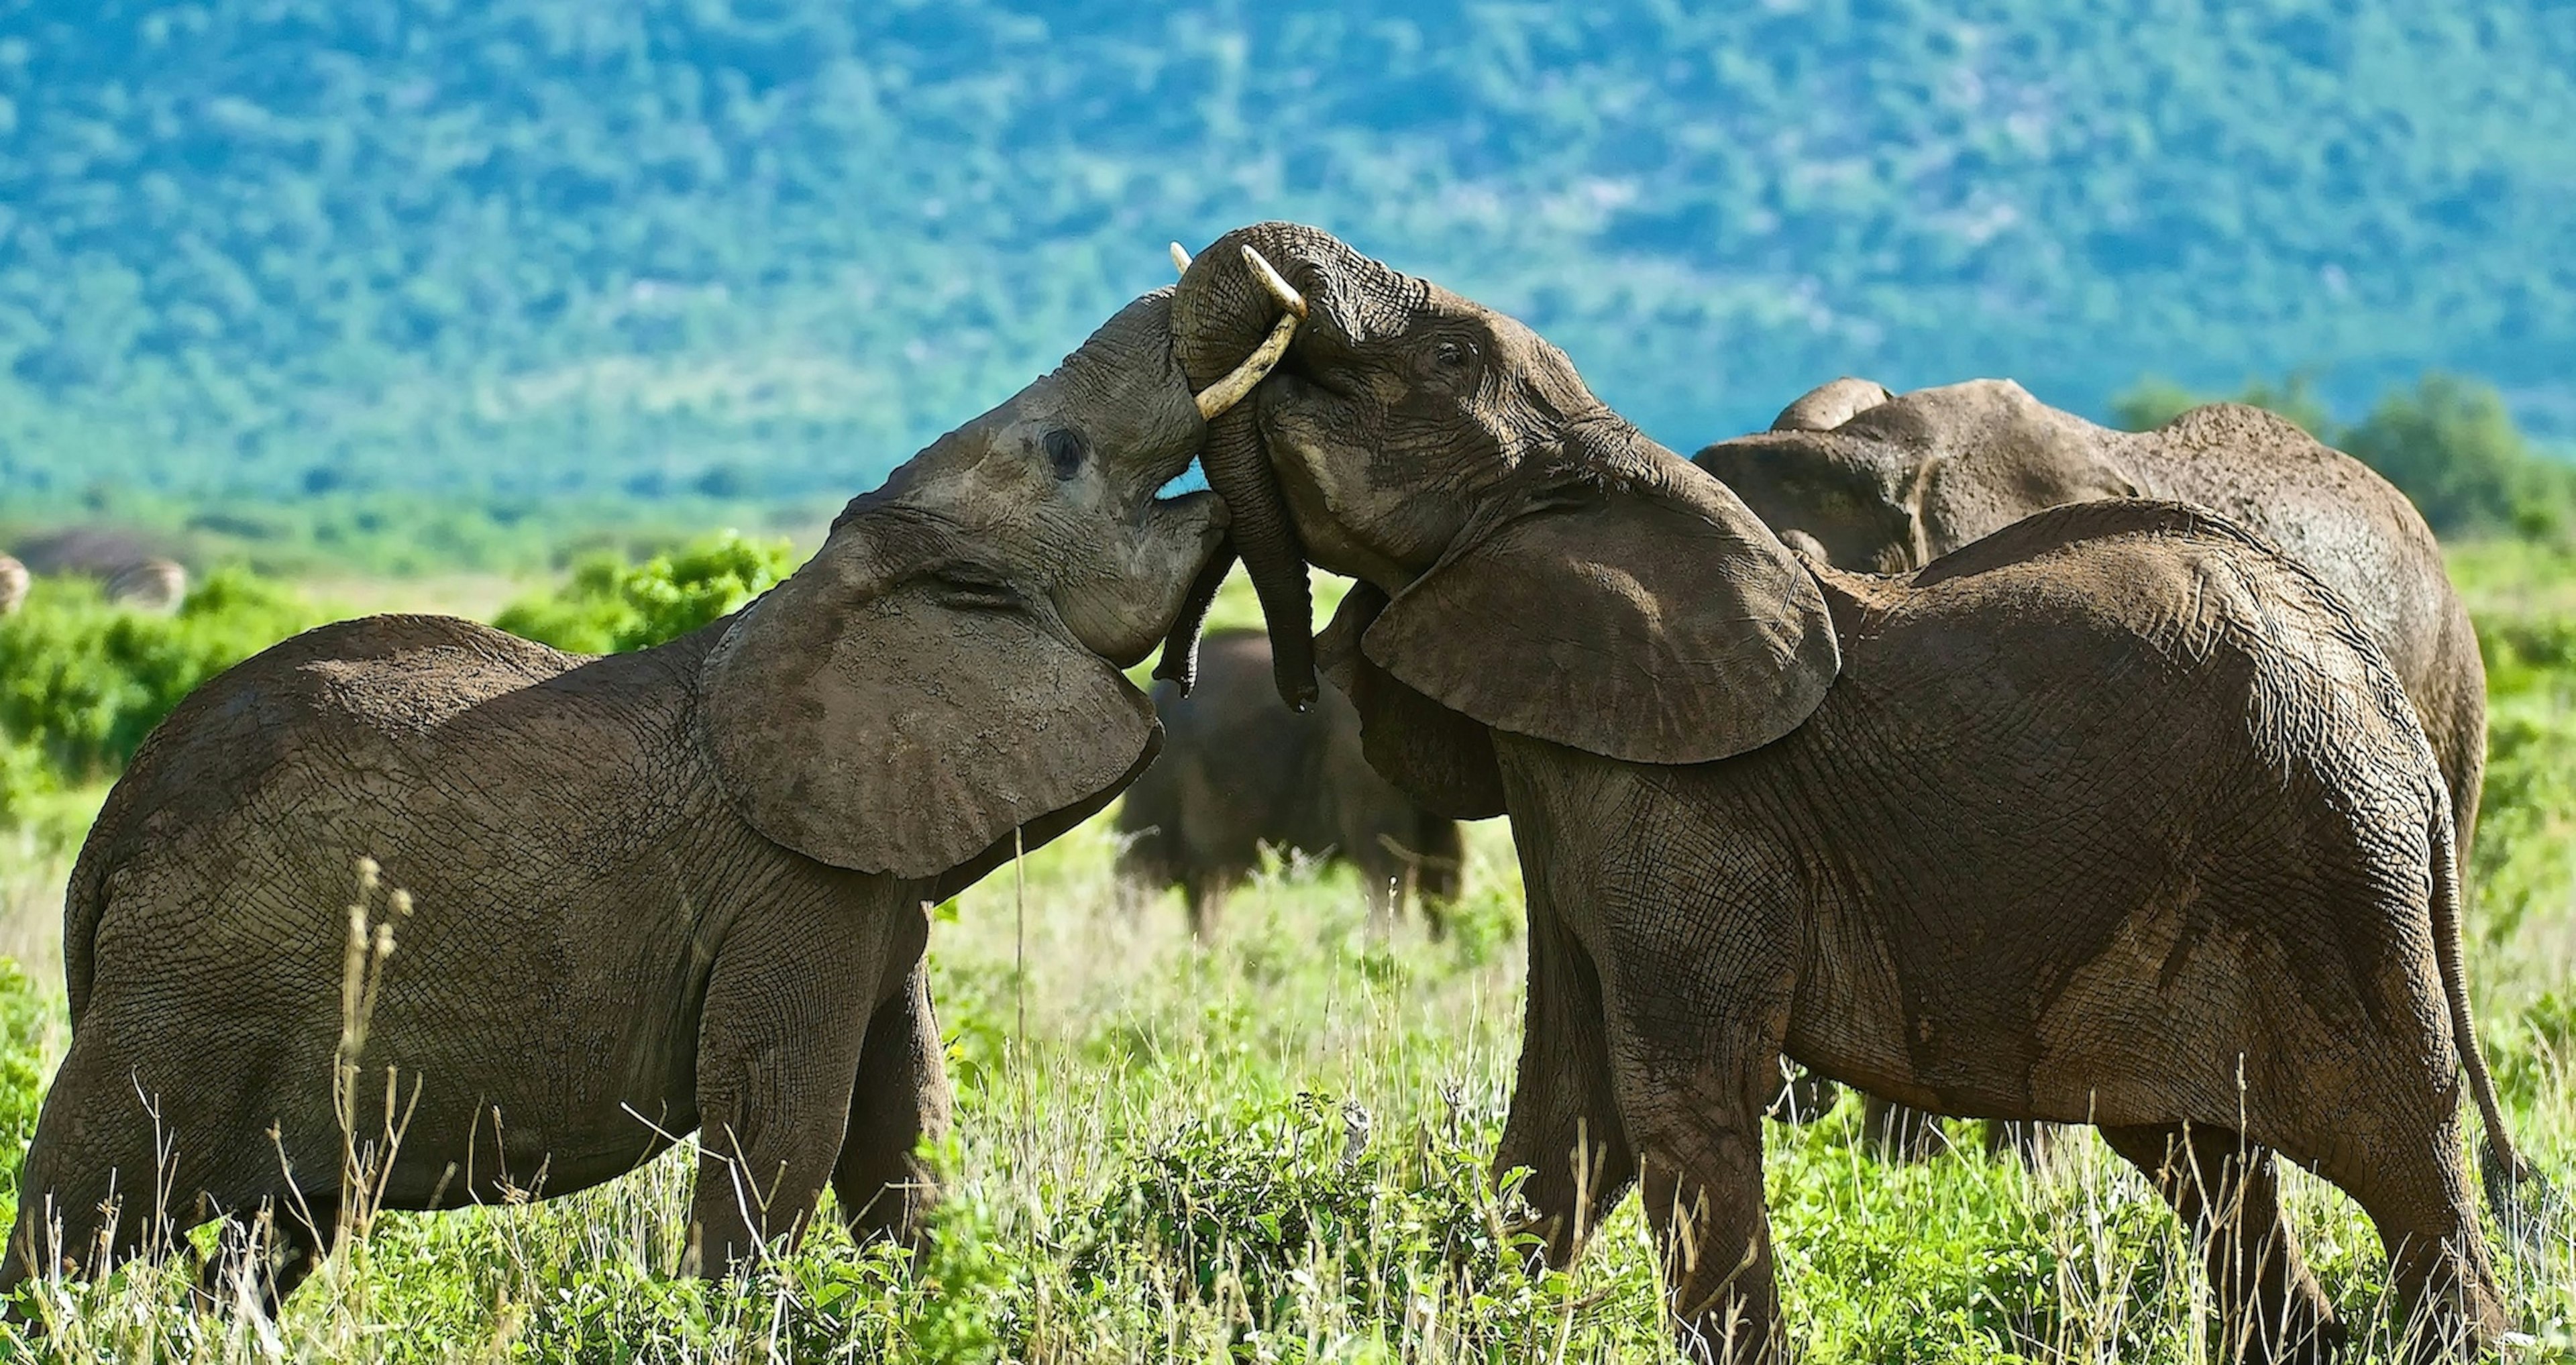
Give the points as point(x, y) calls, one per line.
point(132, 570)
point(13, 585)
point(1239, 771)
point(2115, 816)
point(1884, 483)
point(677, 889)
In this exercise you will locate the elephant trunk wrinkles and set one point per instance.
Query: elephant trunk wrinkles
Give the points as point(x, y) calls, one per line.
point(1219, 314)
point(1180, 664)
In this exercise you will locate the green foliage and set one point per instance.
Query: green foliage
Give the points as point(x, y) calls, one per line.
point(2448, 444)
point(542, 246)
point(610, 606)
point(83, 681)
point(26, 1017)
point(2455, 450)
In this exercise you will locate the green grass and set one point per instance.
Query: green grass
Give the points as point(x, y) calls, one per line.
point(1272, 1147)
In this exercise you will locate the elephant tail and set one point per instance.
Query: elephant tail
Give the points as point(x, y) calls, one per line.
point(2522, 1198)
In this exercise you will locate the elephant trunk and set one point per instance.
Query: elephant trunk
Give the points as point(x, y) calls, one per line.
point(1180, 664)
point(1219, 313)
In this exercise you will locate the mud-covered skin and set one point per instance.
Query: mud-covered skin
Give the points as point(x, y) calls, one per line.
point(672, 890)
point(1240, 771)
point(2116, 816)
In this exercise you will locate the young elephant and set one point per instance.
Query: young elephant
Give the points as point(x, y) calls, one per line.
point(1239, 771)
point(2117, 816)
point(671, 890)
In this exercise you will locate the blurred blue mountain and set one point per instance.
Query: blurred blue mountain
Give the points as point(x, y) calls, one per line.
point(734, 247)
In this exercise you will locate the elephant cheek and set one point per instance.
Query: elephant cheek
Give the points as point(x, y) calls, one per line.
point(1124, 607)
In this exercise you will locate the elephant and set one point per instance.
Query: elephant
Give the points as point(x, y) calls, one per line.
point(683, 888)
point(2116, 816)
point(13, 585)
point(1874, 481)
point(131, 570)
point(1883, 483)
point(1239, 771)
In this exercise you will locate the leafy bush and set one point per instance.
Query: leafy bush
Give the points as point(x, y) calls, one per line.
point(24, 1018)
point(82, 681)
point(2448, 444)
point(611, 606)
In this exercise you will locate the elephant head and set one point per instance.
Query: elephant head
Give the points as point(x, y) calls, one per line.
point(1539, 566)
point(943, 675)
point(1885, 484)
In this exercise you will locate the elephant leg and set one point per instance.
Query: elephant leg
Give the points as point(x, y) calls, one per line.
point(1897, 1132)
point(902, 1098)
point(2024, 1139)
point(778, 1048)
point(1564, 1123)
point(89, 1192)
point(1204, 896)
point(2227, 1191)
point(1804, 1096)
point(276, 1250)
point(2416, 1189)
point(1693, 1104)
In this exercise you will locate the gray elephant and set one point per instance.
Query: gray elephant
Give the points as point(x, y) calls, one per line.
point(1239, 771)
point(1877, 482)
point(678, 889)
point(2116, 816)
point(1885, 483)
point(132, 570)
point(13, 585)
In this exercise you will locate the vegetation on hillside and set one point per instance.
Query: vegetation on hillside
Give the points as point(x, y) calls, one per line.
point(725, 247)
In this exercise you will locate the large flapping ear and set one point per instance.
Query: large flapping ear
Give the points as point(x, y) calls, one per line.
point(1631, 608)
point(897, 707)
point(1441, 759)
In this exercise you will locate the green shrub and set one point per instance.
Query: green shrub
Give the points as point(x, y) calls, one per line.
point(611, 606)
point(82, 681)
point(24, 1018)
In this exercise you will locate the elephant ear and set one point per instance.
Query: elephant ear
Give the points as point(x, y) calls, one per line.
point(1644, 615)
point(1443, 760)
point(901, 708)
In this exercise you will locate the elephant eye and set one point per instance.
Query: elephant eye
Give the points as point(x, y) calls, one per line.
point(1064, 450)
point(1450, 353)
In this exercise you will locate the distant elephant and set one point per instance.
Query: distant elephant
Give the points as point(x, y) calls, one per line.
point(13, 585)
point(2115, 816)
point(132, 570)
point(677, 889)
point(1886, 483)
point(1239, 771)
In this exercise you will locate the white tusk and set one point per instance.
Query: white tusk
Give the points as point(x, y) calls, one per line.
point(1227, 392)
point(1180, 259)
point(1270, 279)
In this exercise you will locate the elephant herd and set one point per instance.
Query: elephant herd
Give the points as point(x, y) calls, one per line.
point(1944, 744)
point(129, 572)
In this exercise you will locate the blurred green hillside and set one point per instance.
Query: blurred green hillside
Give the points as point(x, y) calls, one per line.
point(754, 248)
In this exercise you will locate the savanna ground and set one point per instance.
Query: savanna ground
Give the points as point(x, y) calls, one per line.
point(1272, 1147)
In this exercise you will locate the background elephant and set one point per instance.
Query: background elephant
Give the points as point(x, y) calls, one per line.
point(13, 585)
point(681, 888)
point(131, 570)
point(1886, 483)
point(1239, 771)
point(2115, 816)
